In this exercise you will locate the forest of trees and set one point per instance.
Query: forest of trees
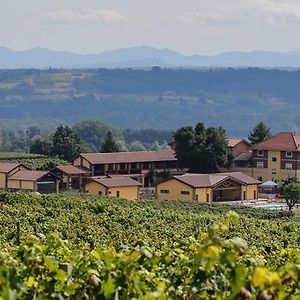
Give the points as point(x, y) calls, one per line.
point(235, 99)
point(87, 136)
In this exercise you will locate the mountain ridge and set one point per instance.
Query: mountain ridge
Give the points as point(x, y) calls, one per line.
point(144, 56)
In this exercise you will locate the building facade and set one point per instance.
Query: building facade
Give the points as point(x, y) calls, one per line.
point(238, 146)
point(138, 164)
point(7, 170)
point(208, 188)
point(119, 187)
point(276, 159)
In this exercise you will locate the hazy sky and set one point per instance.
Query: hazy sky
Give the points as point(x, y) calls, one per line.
point(189, 26)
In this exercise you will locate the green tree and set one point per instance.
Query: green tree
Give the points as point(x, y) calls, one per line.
point(39, 146)
point(110, 144)
point(259, 133)
point(93, 133)
point(66, 144)
point(291, 193)
point(202, 149)
point(137, 146)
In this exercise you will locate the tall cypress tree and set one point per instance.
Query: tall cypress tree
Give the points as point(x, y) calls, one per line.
point(260, 133)
point(109, 144)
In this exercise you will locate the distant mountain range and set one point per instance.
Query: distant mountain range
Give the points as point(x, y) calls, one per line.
point(144, 57)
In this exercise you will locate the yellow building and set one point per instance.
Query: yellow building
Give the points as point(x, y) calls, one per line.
point(276, 159)
point(32, 181)
point(121, 187)
point(8, 169)
point(208, 188)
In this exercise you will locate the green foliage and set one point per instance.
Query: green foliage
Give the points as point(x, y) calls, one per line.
point(109, 144)
point(41, 146)
point(32, 161)
point(291, 192)
point(67, 145)
point(202, 149)
point(233, 98)
point(211, 263)
point(93, 133)
point(260, 133)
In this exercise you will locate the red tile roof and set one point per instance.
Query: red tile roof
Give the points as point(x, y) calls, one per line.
point(117, 182)
point(283, 141)
point(234, 141)
point(28, 175)
point(130, 157)
point(72, 170)
point(7, 167)
point(210, 180)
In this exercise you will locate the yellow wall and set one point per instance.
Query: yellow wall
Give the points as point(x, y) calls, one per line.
point(128, 192)
point(249, 189)
point(3, 176)
point(2, 180)
point(202, 192)
point(21, 184)
point(94, 188)
point(266, 173)
point(175, 187)
point(27, 185)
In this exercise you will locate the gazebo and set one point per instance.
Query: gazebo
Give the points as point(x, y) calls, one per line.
point(268, 187)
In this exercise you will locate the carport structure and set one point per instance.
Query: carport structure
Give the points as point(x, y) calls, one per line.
point(227, 189)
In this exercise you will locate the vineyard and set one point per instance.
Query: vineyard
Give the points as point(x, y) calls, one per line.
point(84, 247)
point(32, 161)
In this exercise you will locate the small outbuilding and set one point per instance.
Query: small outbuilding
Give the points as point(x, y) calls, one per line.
point(7, 169)
point(71, 177)
point(208, 188)
point(33, 181)
point(121, 187)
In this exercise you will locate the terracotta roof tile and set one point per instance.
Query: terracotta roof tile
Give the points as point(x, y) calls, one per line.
point(283, 141)
point(28, 175)
point(130, 157)
point(117, 182)
point(209, 180)
point(72, 170)
point(7, 167)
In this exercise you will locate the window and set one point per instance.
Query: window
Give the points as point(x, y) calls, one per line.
point(274, 159)
point(197, 197)
point(207, 197)
point(244, 195)
point(260, 164)
point(118, 193)
point(254, 194)
point(164, 191)
point(260, 152)
point(100, 193)
point(288, 166)
point(185, 192)
point(274, 171)
point(289, 154)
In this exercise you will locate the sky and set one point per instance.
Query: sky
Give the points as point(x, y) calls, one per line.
point(187, 26)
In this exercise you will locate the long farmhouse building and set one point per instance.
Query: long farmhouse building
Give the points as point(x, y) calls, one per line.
point(134, 164)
